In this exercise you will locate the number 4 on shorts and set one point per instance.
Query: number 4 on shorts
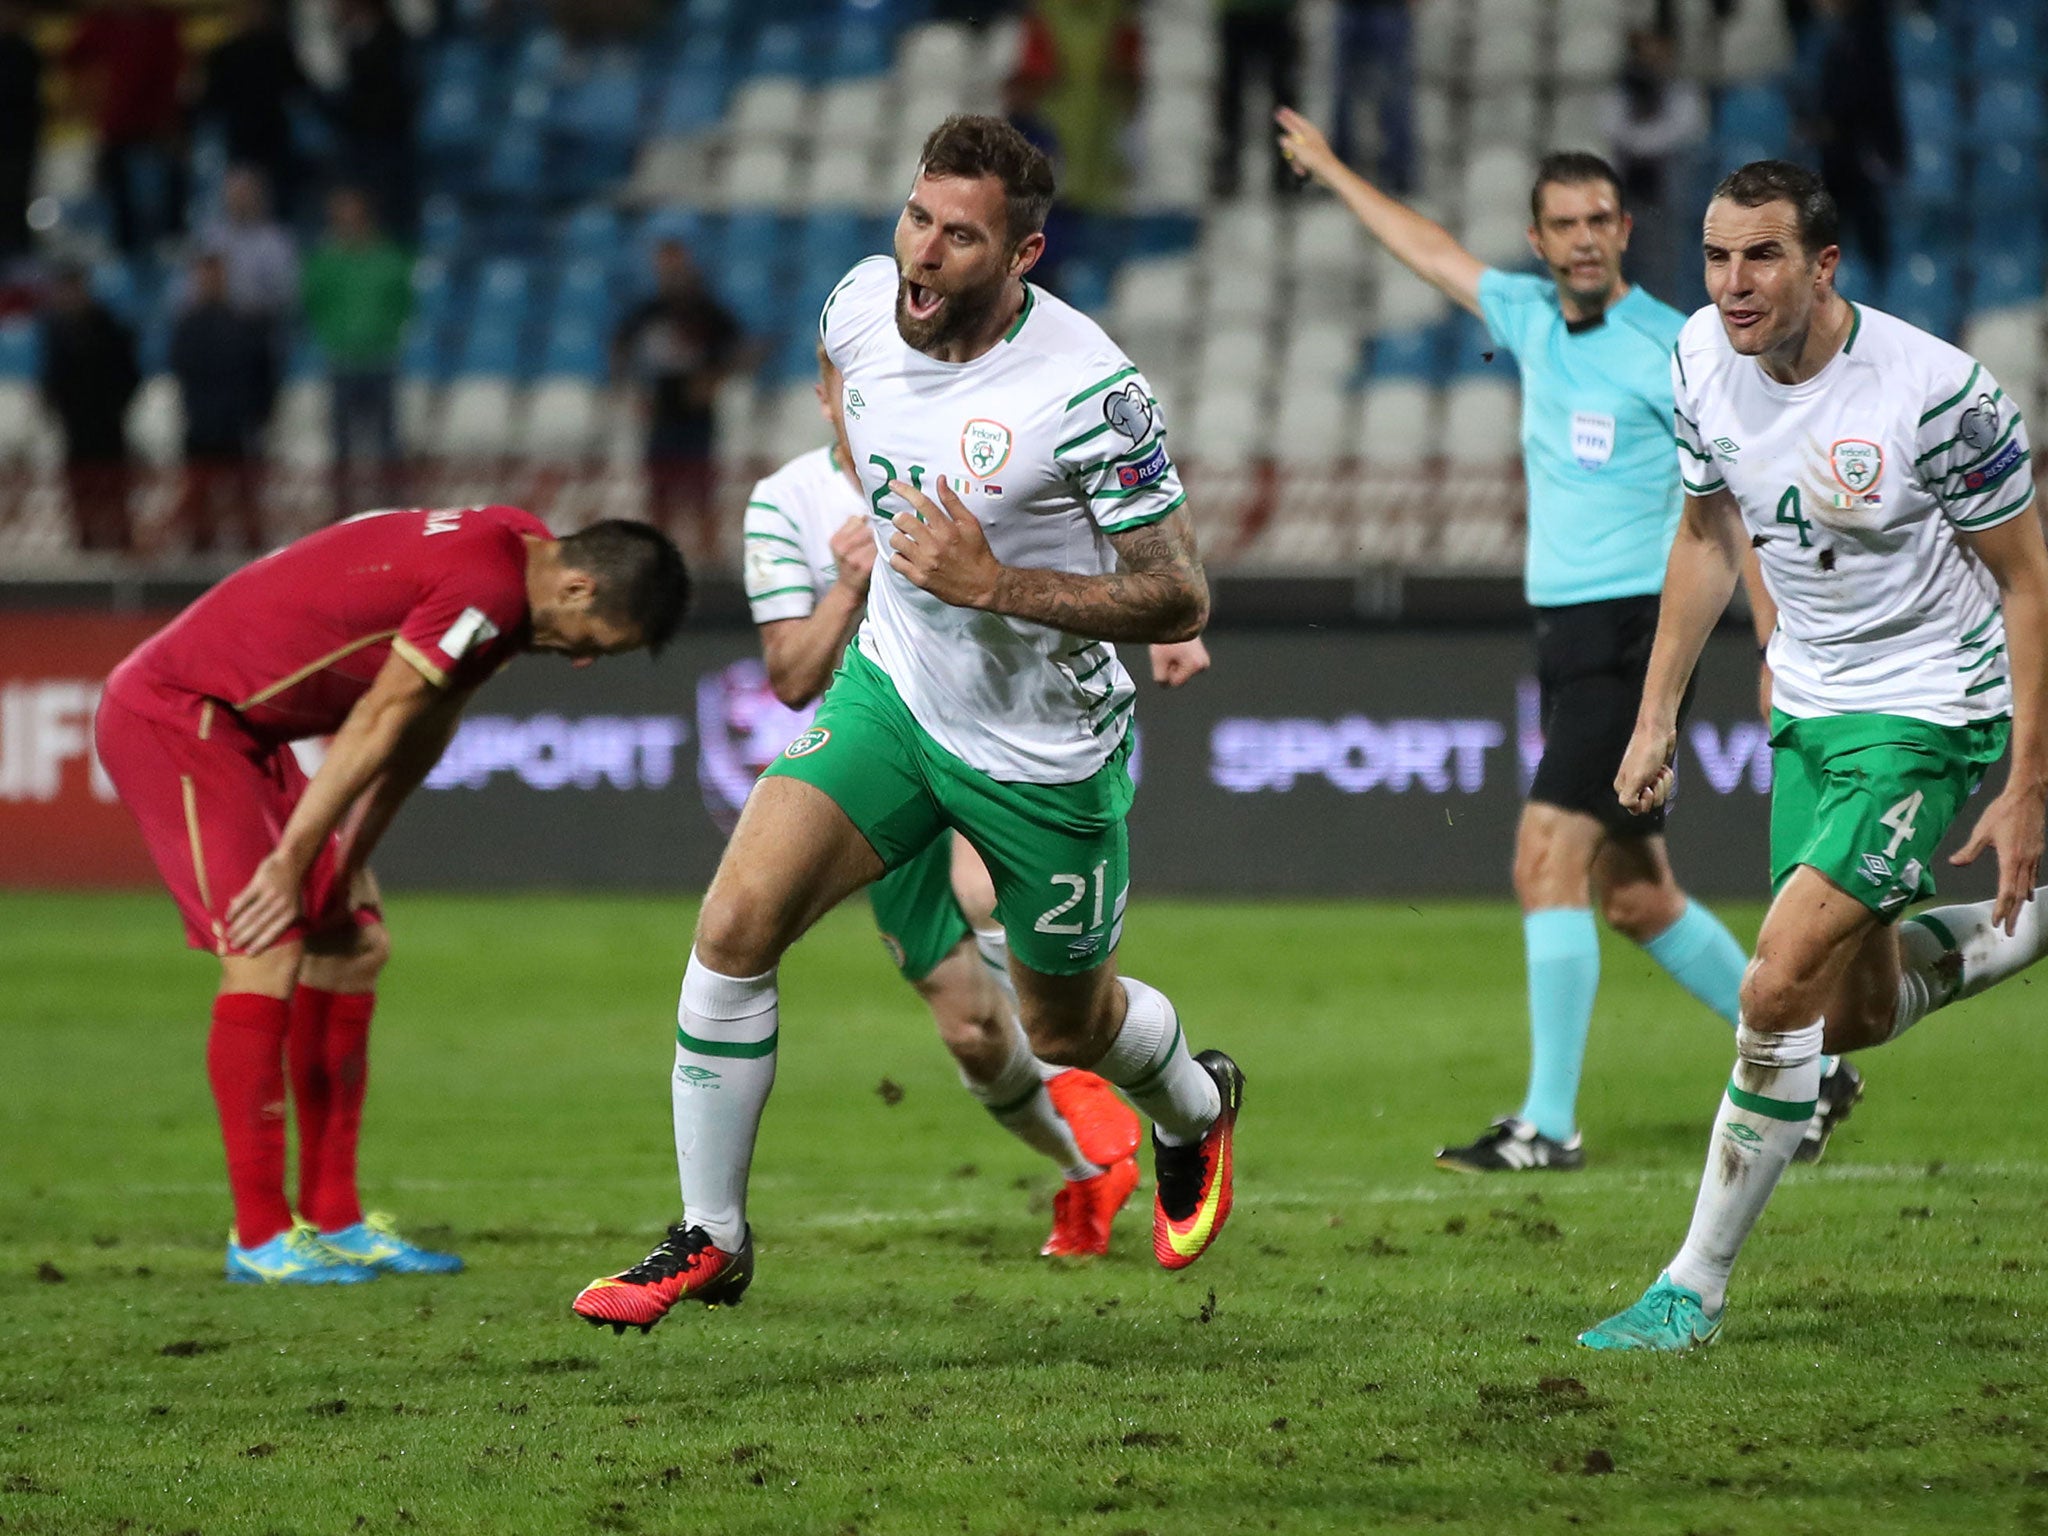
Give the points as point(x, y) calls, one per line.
point(1900, 819)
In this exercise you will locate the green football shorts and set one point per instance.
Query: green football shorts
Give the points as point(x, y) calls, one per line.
point(1059, 854)
point(1866, 799)
point(916, 911)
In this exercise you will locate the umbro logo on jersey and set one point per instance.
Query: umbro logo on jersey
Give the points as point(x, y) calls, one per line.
point(696, 1076)
point(1728, 446)
point(1877, 869)
point(854, 404)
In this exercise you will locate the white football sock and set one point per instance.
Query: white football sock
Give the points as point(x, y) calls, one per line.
point(1990, 955)
point(1016, 1096)
point(1930, 974)
point(725, 1065)
point(1149, 1060)
point(1764, 1113)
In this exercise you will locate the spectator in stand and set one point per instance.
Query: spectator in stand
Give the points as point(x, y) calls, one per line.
point(260, 257)
point(1850, 82)
point(1258, 38)
point(373, 114)
point(1079, 76)
point(677, 347)
point(128, 64)
point(1372, 49)
point(89, 376)
point(252, 78)
point(21, 125)
point(227, 381)
point(1653, 122)
point(357, 295)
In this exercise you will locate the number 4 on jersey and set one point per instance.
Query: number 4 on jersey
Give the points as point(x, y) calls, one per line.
point(1788, 512)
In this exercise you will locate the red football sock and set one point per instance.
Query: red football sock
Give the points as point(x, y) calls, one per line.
point(329, 1199)
point(305, 1060)
point(245, 1064)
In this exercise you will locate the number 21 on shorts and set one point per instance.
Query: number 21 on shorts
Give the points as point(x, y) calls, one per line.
point(1076, 887)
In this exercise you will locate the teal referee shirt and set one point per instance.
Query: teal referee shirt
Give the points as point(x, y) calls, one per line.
point(1604, 496)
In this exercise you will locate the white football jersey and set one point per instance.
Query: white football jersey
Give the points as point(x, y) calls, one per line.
point(791, 517)
point(1854, 486)
point(1053, 440)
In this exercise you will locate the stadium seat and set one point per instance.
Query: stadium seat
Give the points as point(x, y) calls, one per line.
point(781, 49)
point(759, 175)
point(2009, 342)
point(478, 419)
point(1234, 359)
point(1439, 40)
point(1482, 423)
point(2005, 181)
point(1411, 354)
point(156, 420)
point(1921, 48)
point(859, 48)
point(495, 341)
point(1315, 427)
point(563, 420)
point(1934, 176)
point(21, 348)
point(1504, 116)
point(2004, 42)
point(1589, 51)
point(2007, 110)
point(1400, 423)
point(1502, 58)
point(300, 427)
point(1328, 243)
point(692, 101)
point(1752, 115)
point(1933, 109)
point(22, 424)
point(850, 112)
point(1923, 289)
point(2006, 270)
point(771, 108)
point(1321, 357)
point(1156, 294)
point(1401, 299)
point(1225, 429)
point(847, 175)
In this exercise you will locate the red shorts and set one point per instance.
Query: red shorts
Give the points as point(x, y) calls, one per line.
point(212, 801)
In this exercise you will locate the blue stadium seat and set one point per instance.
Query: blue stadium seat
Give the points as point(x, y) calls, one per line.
point(1934, 175)
point(603, 107)
point(1412, 354)
point(684, 224)
point(453, 123)
point(709, 15)
point(585, 291)
point(1472, 350)
point(576, 347)
point(21, 349)
point(443, 227)
point(2005, 41)
point(756, 239)
point(497, 325)
point(2007, 268)
point(860, 46)
point(1924, 289)
point(781, 48)
point(1922, 48)
point(762, 304)
point(832, 237)
point(425, 356)
point(593, 232)
point(2008, 110)
point(796, 357)
point(2005, 181)
point(1853, 280)
point(1933, 110)
point(1753, 115)
point(433, 289)
point(114, 284)
point(692, 100)
point(517, 164)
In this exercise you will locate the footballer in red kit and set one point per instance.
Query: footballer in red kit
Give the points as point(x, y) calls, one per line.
point(374, 632)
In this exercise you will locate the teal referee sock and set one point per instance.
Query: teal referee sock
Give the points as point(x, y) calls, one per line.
point(1563, 951)
point(1702, 957)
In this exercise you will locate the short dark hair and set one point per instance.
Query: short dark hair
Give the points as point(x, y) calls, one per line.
point(971, 145)
point(1572, 168)
point(640, 576)
point(1780, 181)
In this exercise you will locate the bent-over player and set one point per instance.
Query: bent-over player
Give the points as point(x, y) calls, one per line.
point(375, 631)
point(1014, 469)
point(1883, 479)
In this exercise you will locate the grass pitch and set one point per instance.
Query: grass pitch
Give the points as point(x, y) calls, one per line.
point(1373, 1345)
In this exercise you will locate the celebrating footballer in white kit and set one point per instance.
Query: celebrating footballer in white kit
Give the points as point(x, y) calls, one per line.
point(1028, 516)
point(1882, 478)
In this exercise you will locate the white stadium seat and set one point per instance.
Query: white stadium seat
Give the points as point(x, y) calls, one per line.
point(1400, 423)
point(1314, 426)
point(1482, 423)
point(770, 106)
point(156, 420)
point(1228, 428)
point(1153, 290)
point(22, 421)
point(1592, 52)
point(759, 174)
point(850, 112)
point(1402, 300)
point(1319, 357)
point(479, 418)
point(299, 429)
point(1439, 38)
point(1231, 358)
point(564, 420)
point(797, 426)
point(1329, 243)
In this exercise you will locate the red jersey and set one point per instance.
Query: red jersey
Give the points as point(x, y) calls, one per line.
point(291, 641)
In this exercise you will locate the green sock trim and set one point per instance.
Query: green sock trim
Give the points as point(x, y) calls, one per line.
point(1937, 927)
point(745, 1050)
point(1000, 1110)
point(1777, 1109)
point(1159, 1071)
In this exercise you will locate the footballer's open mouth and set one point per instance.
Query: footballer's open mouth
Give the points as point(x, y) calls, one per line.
point(1742, 319)
point(921, 302)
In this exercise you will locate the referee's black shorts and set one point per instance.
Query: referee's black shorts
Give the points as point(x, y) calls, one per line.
point(1591, 660)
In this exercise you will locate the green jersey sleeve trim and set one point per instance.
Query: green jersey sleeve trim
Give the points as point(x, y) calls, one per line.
point(1940, 448)
point(1096, 389)
point(1703, 490)
point(1143, 519)
point(756, 533)
point(762, 597)
point(1969, 383)
point(1999, 515)
point(2003, 475)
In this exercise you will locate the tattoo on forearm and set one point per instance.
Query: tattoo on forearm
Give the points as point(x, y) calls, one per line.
point(1157, 595)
